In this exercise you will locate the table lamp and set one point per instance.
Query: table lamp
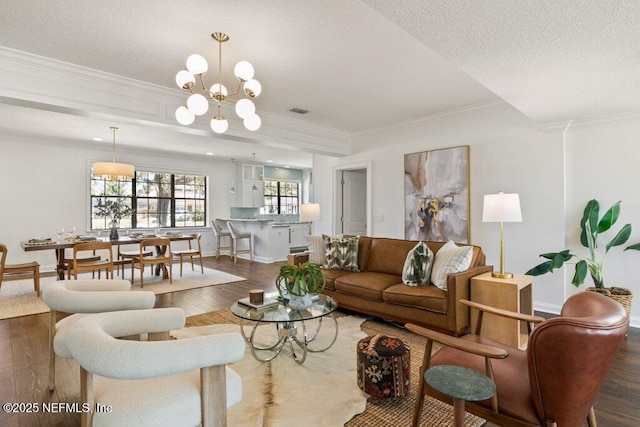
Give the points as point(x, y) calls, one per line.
point(309, 212)
point(501, 208)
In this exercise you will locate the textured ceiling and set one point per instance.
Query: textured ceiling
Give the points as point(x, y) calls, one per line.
point(553, 60)
point(354, 64)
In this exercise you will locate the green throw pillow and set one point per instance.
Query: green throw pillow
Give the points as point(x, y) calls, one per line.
point(417, 266)
point(341, 254)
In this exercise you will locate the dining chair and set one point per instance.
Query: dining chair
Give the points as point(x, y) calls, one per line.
point(190, 253)
point(124, 258)
point(70, 301)
point(101, 258)
point(161, 257)
point(554, 382)
point(236, 236)
point(27, 267)
point(160, 381)
point(219, 235)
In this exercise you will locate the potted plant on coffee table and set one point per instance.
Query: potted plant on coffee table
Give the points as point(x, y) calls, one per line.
point(592, 227)
point(299, 282)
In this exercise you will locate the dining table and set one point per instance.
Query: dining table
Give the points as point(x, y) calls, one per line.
point(60, 246)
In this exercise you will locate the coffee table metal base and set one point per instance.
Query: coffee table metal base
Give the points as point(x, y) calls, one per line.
point(287, 332)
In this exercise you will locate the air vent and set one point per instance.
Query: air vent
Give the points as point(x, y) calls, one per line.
point(298, 110)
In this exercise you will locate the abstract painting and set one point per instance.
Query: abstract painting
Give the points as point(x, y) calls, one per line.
point(436, 195)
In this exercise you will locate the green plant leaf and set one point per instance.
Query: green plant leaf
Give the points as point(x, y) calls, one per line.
point(565, 255)
point(610, 217)
point(580, 274)
point(590, 214)
point(635, 247)
point(621, 238)
point(540, 269)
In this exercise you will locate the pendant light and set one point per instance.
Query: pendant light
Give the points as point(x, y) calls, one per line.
point(113, 170)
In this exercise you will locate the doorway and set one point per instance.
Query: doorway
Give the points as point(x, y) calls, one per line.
point(351, 201)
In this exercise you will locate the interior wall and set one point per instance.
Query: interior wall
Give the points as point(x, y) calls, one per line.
point(45, 187)
point(508, 152)
point(604, 166)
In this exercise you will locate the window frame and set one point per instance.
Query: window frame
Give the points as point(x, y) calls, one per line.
point(279, 196)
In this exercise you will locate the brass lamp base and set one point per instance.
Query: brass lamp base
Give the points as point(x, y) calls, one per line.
point(498, 275)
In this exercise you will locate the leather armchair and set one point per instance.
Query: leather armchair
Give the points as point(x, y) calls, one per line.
point(555, 381)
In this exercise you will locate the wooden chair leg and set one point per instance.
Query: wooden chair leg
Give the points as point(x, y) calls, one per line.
point(201, 265)
point(591, 418)
point(36, 279)
point(86, 396)
point(180, 265)
point(171, 272)
point(213, 407)
point(52, 355)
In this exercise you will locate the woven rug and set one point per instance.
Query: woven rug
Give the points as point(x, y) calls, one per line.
point(378, 412)
point(18, 298)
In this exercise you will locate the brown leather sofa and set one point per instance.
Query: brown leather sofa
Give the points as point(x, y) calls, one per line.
point(378, 290)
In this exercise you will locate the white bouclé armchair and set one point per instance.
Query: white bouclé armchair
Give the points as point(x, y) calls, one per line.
point(180, 382)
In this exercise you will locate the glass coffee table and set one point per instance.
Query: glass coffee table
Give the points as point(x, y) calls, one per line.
point(288, 323)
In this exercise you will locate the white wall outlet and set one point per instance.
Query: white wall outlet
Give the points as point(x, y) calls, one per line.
point(379, 218)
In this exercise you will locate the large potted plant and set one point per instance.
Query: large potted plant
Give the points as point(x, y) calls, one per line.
point(593, 226)
point(116, 209)
point(299, 282)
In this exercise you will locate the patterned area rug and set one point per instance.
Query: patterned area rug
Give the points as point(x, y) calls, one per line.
point(378, 412)
point(17, 297)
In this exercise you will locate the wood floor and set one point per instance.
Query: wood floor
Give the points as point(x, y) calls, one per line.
point(24, 358)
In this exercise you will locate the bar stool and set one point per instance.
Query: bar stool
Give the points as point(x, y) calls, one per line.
point(238, 235)
point(219, 233)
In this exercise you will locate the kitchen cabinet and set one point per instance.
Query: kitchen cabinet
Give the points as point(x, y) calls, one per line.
point(252, 198)
point(252, 172)
point(297, 233)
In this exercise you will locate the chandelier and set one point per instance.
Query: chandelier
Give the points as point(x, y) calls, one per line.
point(112, 170)
point(198, 101)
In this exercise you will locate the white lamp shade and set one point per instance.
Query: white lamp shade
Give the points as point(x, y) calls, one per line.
point(501, 208)
point(252, 122)
point(184, 116)
point(252, 88)
point(219, 125)
point(183, 78)
point(113, 170)
point(197, 64)
point(309, 212)
point(218, 88)
point(245, 108)
point(197, 104)
point(243, 70)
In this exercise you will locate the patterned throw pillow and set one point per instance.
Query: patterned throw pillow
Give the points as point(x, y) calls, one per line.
point(341, 254)
point(316, 249)
point(450, 259)
point(417, 266)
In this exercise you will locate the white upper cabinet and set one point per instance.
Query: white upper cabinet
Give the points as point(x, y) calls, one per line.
point(252, 172)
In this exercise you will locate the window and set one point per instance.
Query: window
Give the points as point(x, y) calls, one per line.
point(160, 199)
point(281, 197)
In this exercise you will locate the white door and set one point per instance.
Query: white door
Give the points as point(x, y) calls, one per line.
point(354, 202)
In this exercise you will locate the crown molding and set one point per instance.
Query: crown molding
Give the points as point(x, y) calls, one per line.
point(39, 82)
point(599, 121)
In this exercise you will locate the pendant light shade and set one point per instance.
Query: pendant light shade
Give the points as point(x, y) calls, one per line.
point(112, 170)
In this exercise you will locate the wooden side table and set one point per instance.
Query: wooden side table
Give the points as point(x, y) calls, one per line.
point(515, 295)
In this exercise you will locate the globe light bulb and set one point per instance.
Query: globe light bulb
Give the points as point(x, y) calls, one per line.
point(245, 108)
point(218, 88)
point(243, 70)
point(252, 122)
point(197, 64)
point(197, 104)
point(184, 116)
point(219, 124)
point(252, 88)
point(185, 79)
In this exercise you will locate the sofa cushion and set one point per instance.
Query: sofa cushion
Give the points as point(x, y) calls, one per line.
point(450, 259)
point(341, 254)
point(388, 255)
point(428, 297)
point(316, 249)
point(332, 275)
point(417, 266)
point(367, 285)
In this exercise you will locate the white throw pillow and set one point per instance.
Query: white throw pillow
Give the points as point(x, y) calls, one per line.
point(316, 249)
point(417, 266)
point(450, 259)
